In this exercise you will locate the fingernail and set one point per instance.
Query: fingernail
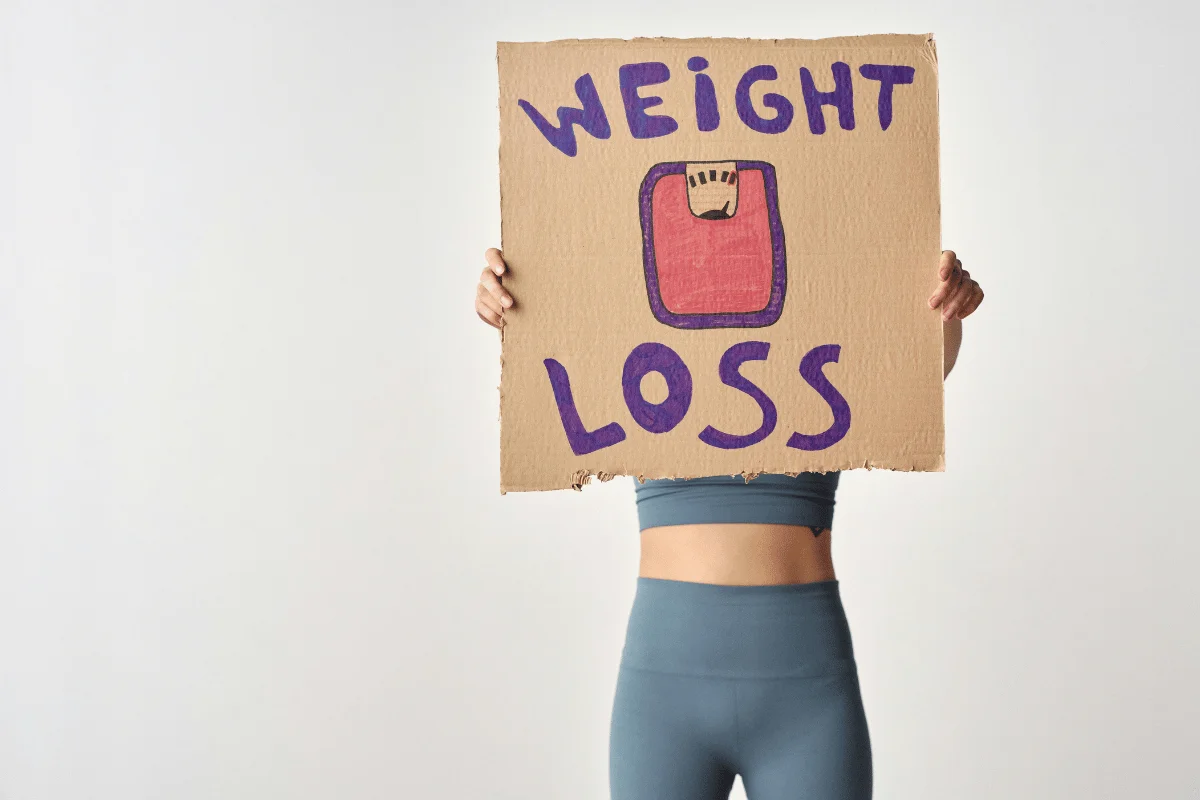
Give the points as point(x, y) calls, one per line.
point(505, 301)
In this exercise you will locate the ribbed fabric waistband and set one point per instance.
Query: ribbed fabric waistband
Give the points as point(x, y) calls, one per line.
point(788, 630)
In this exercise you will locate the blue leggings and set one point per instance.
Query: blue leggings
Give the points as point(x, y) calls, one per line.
point(758, 681)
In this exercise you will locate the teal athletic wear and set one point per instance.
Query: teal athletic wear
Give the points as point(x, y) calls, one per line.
point(806, 499)
point(717, 681)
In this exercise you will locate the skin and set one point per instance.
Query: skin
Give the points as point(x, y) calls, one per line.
point(751, 554)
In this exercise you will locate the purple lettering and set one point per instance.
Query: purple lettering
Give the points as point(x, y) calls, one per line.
point(733, 358)
point(842, 97)
point(888, 76)
point(708, 116)
point(655, 357)
point(591, 118)
point(745, 107)
point(810, 370)
point(582, 440)
point(641, 124)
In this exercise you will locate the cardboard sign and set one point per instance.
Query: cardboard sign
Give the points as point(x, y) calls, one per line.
point(721, 252)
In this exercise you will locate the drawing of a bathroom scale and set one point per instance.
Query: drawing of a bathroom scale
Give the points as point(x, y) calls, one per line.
point(712, 244)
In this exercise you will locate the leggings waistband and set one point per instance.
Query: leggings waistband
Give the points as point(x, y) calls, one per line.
point(786, 630)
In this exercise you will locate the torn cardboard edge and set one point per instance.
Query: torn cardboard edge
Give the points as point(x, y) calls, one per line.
point(584, 476)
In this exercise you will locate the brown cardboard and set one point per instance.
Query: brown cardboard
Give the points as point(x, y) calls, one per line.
point(823, 244)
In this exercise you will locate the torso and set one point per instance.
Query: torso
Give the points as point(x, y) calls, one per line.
point(738, 553)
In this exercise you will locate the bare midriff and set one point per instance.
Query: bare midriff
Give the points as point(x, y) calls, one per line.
point(739, 554)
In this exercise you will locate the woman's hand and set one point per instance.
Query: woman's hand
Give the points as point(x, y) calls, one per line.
point(491, 298)
point(959, 294)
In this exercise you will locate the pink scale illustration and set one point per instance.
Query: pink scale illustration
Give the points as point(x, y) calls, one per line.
point(713, 248)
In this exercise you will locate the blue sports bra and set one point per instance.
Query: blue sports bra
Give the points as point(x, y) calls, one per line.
point(806, 499)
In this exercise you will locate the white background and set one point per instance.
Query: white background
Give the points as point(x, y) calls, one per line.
point(251, 543)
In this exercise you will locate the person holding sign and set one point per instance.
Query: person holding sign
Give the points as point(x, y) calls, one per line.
point(738, 658)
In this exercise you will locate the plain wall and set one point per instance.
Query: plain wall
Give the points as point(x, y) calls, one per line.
point(251, 541)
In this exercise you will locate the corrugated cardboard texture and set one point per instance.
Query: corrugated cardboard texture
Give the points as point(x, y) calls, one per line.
point(834, 241)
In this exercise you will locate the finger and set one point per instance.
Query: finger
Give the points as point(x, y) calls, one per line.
point(961, 301)
point(495, 261)
point(490, 317)
point(949, 285)
point(958, 299)
point(487, 317)
point(482, 298)
point(946, 265)
point(972, 304)
point(491, 284)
